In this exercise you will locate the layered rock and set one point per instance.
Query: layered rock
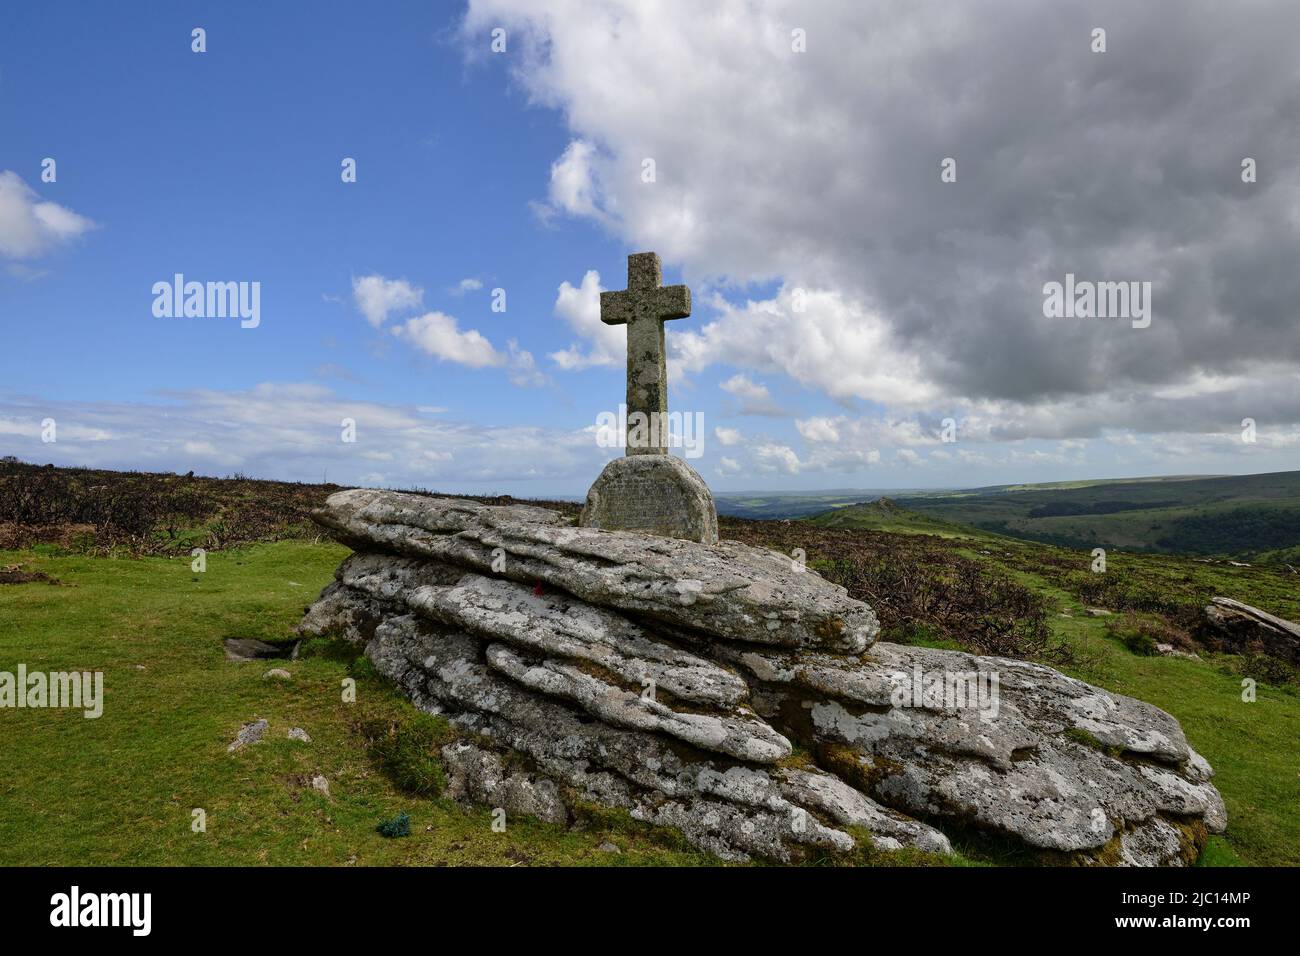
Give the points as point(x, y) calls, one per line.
point(1060, 765)
point(747, 708)
point(1246, 628)
point(729, 591)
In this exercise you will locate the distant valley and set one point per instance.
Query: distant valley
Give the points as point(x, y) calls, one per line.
point(1246, 517)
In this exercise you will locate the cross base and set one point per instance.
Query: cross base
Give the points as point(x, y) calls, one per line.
point(652, 494)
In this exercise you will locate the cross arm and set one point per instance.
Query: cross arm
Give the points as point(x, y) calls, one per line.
point(668, 302)
point(672, 302)
point(616, 308)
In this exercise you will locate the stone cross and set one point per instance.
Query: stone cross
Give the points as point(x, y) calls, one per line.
point(643, 307)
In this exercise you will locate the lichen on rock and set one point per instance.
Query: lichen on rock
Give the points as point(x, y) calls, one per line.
point(675, 680)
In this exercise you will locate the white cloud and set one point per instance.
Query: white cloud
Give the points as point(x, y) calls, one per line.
point(742, 387)
point(728, 436)
point(818, 429)
point(833, 345)
point(523, 369)
point(580, 308)
point(65, 428)
point(773, 457)
point(291, 431)
point(907, 456)
point(377, 297)
point(754, 396)
point(572, 189)
point(31, 227)
point(439, 335)
point(466, 285)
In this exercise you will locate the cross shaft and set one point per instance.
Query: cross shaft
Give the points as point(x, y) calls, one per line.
point(643, 307)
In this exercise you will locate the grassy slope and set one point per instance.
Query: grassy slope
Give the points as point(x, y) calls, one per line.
point(120, 789)
point(761, 506)
point(885, 515)
point(1221, 515)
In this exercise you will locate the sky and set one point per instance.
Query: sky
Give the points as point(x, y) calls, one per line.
point(868, 200)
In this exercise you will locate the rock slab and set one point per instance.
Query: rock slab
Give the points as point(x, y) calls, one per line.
point(754, 712)
point(1248, 628)
point(730, 591)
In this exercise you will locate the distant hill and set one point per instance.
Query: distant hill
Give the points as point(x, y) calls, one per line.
point(761, 505)
point(1249, 517)
point(885, 514)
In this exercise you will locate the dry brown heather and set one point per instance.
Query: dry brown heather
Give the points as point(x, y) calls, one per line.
point(918, 585)
point(989, 595)
point(147, 513)
point(921, 586)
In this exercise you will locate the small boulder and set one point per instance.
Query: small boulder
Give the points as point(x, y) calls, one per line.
point(248, 734)
point(277, 673)
point(297, 733)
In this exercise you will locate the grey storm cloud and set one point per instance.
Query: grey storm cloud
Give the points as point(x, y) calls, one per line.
point(822, 169)
point(1122, 165)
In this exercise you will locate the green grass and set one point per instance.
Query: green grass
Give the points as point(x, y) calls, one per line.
point(885, 515)
point(120, 789)
point(1252, 746)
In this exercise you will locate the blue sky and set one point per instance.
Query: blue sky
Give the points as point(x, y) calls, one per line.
point(517, 171)
point(225, 165)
